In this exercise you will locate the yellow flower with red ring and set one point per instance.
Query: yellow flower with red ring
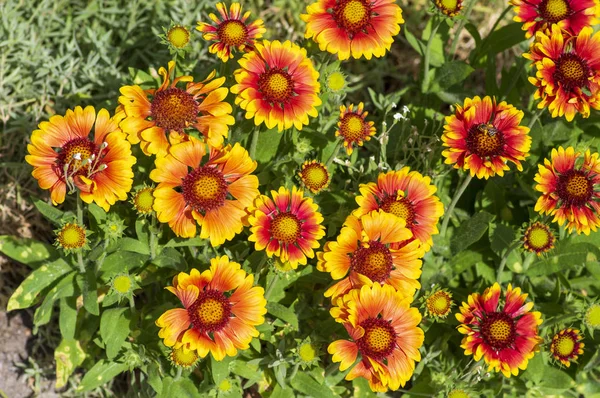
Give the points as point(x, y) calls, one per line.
point(363, 254)
point(221, 310)
point(538, 238)
point(483, 136)
point(505, 336)
point(63, 155)
point(570, 193)
point(314, 176)
point(383, 330)
point(212, 194)
point(157, 119)
point(353, 128)
point(566, 346)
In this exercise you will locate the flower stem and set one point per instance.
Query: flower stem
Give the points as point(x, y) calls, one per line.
point(425, 84)
point(152, 236)
point(461, 26)
point(505, 259)
point(338, 145)
point(271, 286)
point(80, 223)
point(455, 199)
point(535, 118)
point(254, 142)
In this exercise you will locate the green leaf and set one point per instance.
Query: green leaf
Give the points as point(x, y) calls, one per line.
point(67, 320)
point(280, 392)
point(64, 288)
point(285, 314)
point(268, 142)
point(535, 368)
point(97, 212)
point(472, 29)
point(68, 355)
point(182, 242)
point(90, 292)
point(130, 245)
point(361, 389)
point(502, 237)
point(26, 251)
point(556, 379)
point(38, 280)
point(246, 370)
point(155, 379)
point(449, 74)
point(470, 231)
point(566, 255)
point(101, 373)
point(182, 388)
point(307, 385)
point(50, 212)
point(114, 328)
point(219, 369)
point(121, 260)
point(502, 39)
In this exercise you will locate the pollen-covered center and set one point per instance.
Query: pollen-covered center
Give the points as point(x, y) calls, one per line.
point(233, 32)
point(285, 227)
point(314, 176)
point(538, 237)
point(400, 208)
point(178, 36)
point(76, 153)
point(144, 200)
point(183, 357)
point(374, 261)
point(498, 330)
point(575, 188)
point(173, 109)
point(564, 345)
point(307, 352)
point(122, 284)
point(592, 316)
point(485, 140)
point(449, 7)
point(572, 72)
point(204, 189)
point(210, 312)
point(276, 85)
point(439, 303)
point(379, 339)
point(352, 15)
point(353, 128)
point(553, 11)
point(71, 236)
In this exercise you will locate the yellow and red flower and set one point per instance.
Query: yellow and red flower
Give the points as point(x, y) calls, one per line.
point(213, 194)
point(408, 195)
point(314, 176)
point(538, 238)
point(221, 310)
point(277, 85)
point(569, 15)
point(364, 254)
point(63, 155)
point(483, 136)
point(384, 331)
point(506, 338)
point(568, 71)
point(450, 8)
point(157, 119)
point(570, 193)
point(230, 31)
point(353, 128)
point(353, 27)
point(438, 304)
point(287, 226)
point(566, 346)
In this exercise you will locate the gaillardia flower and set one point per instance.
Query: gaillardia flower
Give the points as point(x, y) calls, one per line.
point(143, 200)
point(450, 8)
point(408, 195)
point(353, 27)
point(570, 193)
point(287, 226)
point(363, 254)
point(438, 304)
point(213, 194)
point(63, 155)
point(569, 15)
point(591, 316)
point(506, 338)
point(277, 85)
point(157, 119)
point(178, 36)
point(483, 136)
point(221, 310)
point(353, 128)
point(71, 237)
point(384, 331)
point(566, 346)
point(568, 72)
point(314, 176)
point(538, 238)
point(183, 357)
point(230, 31)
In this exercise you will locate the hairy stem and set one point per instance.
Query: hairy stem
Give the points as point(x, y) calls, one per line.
point(425, 84)
point(455, 199)
point(254, 142)
point(505, 259)
point(334, 153)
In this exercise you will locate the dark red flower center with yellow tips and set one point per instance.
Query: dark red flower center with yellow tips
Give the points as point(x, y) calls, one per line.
point(571, 72)
point(314, 176)
point(566, 345)
point(574, 188)
point(553, 11)
point(285, 227)
point(374, 261)
point(379, 339)
point(352, 15)
point(204, 189)
point(210, 312)
point(438, 304)
point(353, 128)
point(174, 109)
point(485, 140)
point(183, 357)
point(74, 153)
point(276, 85)
point(400, 208)
point(538, 238)
point(498, 330)
point(233, 32)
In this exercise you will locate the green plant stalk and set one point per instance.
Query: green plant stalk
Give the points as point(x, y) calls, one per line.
point(271, 286)
point(334, 153)
point(536, 116)
point(461, 26)
point(505, 259)
point(80, 223)
point(254, 142)
point(294, 371)
point(455, 199)
point(425, 84)
point(153, 237)
point(485, 40)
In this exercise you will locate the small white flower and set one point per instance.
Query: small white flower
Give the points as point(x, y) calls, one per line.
point(384, 124)
point(77, 156)
point(398, 116)
point(394, 105)
point(405, 109)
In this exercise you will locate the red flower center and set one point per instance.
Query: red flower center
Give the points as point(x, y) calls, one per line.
point(352, 15)
point(285, 227)
point(210, 312)
point(439, 303)
point(77, 153)
point(571, 72)
point(173, 109)
point(498, 330)
point(233, 32)
point(538, 238)
point(353, 128)
point(553, 11)
point(485, 140)
point(314, 176)
point(379, 339)
point(400, 208)
point(574, 188)
point(276, 85)
point(374, 261)
point(204, 189)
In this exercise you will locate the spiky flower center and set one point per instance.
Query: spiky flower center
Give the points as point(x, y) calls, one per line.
point(538, 238)
point(233, 32)
point(336, 81)
point(204, 189)
point(352, 16)
point(553, 11)
point(314, 176)
point(71, 236)
point(400, 208)
point(575, 188)
point(276, 85)
point(485, 140)
point(178, 36)
point(449, 7)
point(353, 127)
point(564, 345)
point(144, 200)
point(307, 352)
point(285, 227)
point(173, 109)
point(498, 330)
point(592, 316)
point(438, 304)
point(571, 72)
point(183, 357)
point(210, 312)
point(373, 260)
point(379, 339)
point(122, 284)
point(76, 154)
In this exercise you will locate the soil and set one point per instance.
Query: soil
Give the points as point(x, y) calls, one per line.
point(13, 348)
